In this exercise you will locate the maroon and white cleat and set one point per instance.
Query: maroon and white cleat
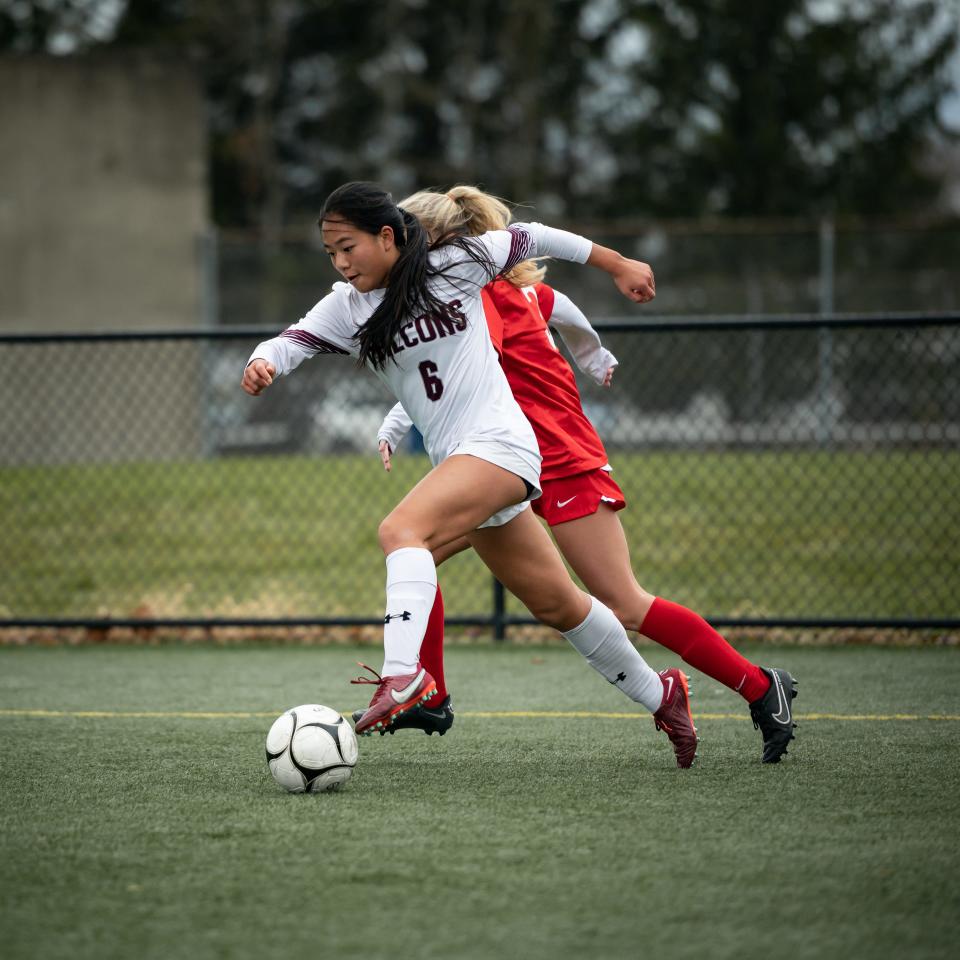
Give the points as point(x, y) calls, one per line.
point(674, 718)
point(393, 696)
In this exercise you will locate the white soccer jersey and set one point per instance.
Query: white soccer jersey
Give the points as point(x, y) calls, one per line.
point(590, 355)
point(444, 370)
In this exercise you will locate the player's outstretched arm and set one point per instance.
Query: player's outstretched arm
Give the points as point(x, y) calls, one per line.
point(583, 342)
point(257, 376)
point(633, 278)
point(396, 424)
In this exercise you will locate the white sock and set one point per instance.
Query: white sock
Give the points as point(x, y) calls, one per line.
point(605, 645)
point(411, 588)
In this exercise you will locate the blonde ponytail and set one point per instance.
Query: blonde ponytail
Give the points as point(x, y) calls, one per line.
point(465, 210)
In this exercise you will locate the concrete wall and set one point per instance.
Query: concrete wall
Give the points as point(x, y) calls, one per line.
point(102, 193)
point(103, 200)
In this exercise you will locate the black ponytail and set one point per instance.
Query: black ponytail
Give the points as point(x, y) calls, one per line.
point(407, 294)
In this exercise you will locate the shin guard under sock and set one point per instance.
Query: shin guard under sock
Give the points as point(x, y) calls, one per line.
point(411, 587)
point(431, 650)
point(689, 635)
point(605, 646)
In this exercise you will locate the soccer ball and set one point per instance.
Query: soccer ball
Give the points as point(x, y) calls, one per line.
point(311, 748)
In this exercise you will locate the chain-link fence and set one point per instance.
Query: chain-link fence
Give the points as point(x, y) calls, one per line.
point(747, 267)
point(777, 470)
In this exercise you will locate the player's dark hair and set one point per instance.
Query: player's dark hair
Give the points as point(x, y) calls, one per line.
point(369, 208)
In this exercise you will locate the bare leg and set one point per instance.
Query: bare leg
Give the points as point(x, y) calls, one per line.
point(596, 548)
point(457, 496)
point(451, 549)
point(522, 557)
point(451, 500)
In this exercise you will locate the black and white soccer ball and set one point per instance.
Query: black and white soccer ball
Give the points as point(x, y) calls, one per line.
point(311, 748)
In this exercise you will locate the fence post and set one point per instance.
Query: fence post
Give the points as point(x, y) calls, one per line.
point(209, 266)
point(826, 414)
point(499, 611)
point(208, 256)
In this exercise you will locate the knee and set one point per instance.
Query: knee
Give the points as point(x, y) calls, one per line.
point(394, 532)
point(630, 611)
point(559, 611)
point(630, 618)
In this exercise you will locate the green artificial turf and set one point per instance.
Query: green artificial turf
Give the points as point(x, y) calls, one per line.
point(524, 836)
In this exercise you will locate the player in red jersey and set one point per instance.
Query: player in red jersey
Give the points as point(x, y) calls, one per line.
point(580, 498)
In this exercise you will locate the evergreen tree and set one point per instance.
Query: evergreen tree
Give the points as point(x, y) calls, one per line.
point(587, 108)
point(787, 108)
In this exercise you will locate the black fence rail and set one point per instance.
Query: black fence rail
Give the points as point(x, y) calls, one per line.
point(793, 471)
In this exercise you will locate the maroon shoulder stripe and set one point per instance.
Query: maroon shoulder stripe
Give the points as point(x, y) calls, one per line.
point(520, 243)
point(311, 340)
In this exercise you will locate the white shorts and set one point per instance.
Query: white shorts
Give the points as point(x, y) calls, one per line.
point(524, 463)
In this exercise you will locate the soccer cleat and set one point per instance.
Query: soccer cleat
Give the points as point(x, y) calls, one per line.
point(673, 716)
point(393, 696)
point(772, 714)
point(429, 719)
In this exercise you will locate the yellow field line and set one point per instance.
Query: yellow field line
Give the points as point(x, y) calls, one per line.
point(485, 714)
point(137, 714)
point(577, 714)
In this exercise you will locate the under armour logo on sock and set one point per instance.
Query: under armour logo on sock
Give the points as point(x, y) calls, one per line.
point(620, 676)
point(406, 615)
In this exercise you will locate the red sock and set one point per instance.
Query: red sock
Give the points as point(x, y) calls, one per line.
point(431, 650)
point(689, 635)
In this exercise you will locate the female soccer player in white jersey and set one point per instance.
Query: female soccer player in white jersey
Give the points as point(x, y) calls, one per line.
point(413, 314)
point(580, 497)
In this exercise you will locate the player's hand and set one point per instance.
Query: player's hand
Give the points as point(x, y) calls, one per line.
point(608, 377)
point(634, 279)
point(257, 376)
point(385, 454)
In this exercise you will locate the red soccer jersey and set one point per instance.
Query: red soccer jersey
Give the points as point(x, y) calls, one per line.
point(541, 379)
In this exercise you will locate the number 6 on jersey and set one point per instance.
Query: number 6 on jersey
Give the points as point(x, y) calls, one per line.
point(432, 384)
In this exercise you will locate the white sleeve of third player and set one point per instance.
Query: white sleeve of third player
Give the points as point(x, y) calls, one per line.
point(325, 329)
point(581, 339)
point(396, 424)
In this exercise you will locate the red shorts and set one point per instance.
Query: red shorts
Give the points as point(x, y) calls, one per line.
point(570, 498)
